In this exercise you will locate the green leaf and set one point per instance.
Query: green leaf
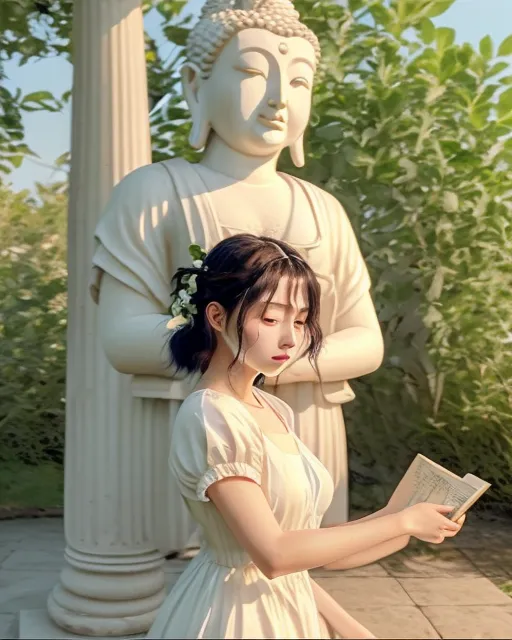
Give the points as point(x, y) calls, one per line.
point(176, 34)
point(332, 131)
point(506, 121)
point(505, 48)
point(497, 68)
point(427, 31)
point(436, 287)
point(37, 96)
point(479, 116)
point(381, 15)
point(432, 317)
point(438, 7)
point(450, 202)
point(505, 103)
point(196, 252)
point(445, 37)
point(448, 64)
point(434, 93)
point(16, 161)
point(486, 47)
point(355, 5)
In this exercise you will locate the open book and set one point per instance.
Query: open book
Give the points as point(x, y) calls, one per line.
point(427, 481)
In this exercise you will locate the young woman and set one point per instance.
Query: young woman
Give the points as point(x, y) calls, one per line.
point(256, 491)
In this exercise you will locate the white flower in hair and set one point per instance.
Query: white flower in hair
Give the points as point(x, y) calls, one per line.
point(192, 284)
point(185, 296)
point(182, 296)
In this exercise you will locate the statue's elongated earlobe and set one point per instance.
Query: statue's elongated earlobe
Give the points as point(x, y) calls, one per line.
point(190, 78)
point(200, 131)
point(297, 151)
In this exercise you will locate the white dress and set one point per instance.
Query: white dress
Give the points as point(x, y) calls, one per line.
point(221, 593)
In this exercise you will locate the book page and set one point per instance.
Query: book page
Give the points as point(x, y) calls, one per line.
point(475, 482)
point(428, 483)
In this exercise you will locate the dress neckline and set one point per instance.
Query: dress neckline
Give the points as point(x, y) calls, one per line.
point(281, 417)
point(291, 181)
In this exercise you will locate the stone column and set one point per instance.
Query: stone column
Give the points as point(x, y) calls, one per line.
point(113, 580)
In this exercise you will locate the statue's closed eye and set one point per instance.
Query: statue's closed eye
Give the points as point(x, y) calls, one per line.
point(300, 82)
point(250, 71)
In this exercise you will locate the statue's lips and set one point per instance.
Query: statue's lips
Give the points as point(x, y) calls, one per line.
point(273, 123)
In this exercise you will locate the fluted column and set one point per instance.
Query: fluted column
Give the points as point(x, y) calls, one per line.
point(113, 581)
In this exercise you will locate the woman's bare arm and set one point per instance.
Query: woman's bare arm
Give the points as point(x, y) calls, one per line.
point(373, 554)
point(247, 513)
point(379, 551)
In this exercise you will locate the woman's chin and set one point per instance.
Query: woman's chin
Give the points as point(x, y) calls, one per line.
point(273, 370)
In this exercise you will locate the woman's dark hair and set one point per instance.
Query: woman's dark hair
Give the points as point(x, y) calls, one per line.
point(240, 271)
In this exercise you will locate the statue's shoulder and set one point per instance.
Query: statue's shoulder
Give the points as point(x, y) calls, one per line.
point(149, 183)
point(331, 204)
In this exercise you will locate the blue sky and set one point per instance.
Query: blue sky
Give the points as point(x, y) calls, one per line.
point(48, 134)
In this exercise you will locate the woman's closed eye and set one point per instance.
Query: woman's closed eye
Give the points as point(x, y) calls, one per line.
point(273, 321)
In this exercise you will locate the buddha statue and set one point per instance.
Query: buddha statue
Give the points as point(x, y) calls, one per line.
point(248, 80)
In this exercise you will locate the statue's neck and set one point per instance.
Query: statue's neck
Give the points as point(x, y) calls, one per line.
point(219, 157)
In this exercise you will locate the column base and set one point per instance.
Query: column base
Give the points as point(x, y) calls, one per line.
point(111, 596)
point(36, 624)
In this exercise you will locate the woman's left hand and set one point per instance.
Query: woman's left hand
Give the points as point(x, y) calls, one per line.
point(461, 520)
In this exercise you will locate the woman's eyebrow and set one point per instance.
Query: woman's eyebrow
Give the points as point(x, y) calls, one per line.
point(286, 306)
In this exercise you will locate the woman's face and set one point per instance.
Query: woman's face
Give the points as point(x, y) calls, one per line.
point(272, 340)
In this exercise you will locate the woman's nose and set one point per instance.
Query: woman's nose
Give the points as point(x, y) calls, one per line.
point(287, 338)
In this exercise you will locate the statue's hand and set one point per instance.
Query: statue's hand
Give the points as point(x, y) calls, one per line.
point(299, 371)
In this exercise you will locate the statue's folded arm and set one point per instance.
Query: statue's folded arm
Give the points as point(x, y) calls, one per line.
point(134, 255)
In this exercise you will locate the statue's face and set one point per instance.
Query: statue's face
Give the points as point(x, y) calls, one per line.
point(258, 97)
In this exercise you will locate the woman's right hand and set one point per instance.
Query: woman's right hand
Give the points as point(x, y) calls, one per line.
point(428, 522)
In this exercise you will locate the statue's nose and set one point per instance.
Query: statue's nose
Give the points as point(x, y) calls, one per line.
point(276, 104)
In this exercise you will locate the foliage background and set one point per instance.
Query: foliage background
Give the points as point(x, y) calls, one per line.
point(411, 132)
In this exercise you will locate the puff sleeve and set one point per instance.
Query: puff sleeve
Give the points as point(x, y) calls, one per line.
point(213, 439)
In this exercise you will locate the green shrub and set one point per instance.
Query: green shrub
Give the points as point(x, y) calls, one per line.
point(411, 132)
point(32, 326)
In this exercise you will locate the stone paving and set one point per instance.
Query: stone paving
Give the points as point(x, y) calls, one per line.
point(450, 591)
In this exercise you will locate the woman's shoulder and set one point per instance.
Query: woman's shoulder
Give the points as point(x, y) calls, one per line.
point(213, 416)
point(207, 403)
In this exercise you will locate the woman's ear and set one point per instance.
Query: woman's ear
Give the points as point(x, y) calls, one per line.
point(192, 82)
point(216, 316)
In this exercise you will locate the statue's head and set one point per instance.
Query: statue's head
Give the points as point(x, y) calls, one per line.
point(249, 76)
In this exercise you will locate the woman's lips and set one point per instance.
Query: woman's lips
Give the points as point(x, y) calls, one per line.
point(281, 358)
